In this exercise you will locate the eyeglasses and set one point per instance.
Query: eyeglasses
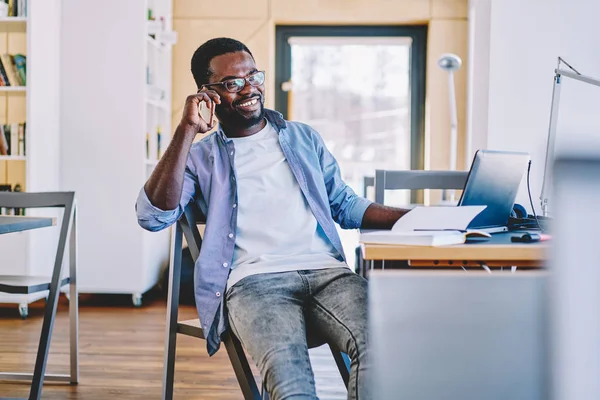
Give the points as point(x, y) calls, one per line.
point(237, 84)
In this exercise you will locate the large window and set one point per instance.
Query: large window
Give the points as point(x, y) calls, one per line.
point(363, 89)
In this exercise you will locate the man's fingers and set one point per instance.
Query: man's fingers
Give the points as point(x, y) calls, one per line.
point(211, 94)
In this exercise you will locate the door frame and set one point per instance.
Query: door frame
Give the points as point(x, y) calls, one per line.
point(417, 57)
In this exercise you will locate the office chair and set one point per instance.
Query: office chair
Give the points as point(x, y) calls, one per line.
point(368, 181)
point(31, 284)
point(417, 180)
point(187, 225)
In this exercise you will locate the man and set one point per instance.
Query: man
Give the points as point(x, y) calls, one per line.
point(271, 266)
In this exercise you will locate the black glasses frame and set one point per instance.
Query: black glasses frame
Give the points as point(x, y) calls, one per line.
point(241, 86)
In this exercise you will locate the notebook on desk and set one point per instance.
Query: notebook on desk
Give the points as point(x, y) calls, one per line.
point(421, 238)
point(429, 226)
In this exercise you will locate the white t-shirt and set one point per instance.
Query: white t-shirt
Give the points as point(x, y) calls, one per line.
point(276, 229)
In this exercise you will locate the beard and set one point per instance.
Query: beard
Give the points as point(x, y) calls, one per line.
point(229, 115)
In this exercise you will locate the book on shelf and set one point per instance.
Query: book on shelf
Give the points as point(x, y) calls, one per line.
point(13, 70)
point(6, 187)
point(13, 139)
point(14, 8)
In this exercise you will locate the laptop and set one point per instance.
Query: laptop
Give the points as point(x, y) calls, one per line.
point(494, 181)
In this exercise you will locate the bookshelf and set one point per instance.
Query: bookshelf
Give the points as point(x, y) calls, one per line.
point(111, 142)
point(35, 35)
point(12, 88)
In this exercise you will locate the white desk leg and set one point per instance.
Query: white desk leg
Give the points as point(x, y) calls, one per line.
point(513, 269)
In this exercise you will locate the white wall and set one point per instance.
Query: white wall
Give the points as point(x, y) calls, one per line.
point(525, 39)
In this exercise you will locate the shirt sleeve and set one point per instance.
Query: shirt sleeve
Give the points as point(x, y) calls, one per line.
point(347, 208)
point(153, 218)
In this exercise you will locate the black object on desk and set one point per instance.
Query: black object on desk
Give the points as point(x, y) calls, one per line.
point(526, 238)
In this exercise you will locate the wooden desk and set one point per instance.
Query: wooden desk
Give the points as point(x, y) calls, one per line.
point(11, 223)
point(498, 251)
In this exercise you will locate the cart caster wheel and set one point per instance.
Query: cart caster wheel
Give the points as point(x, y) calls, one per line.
point(137, 300)
point(23, 310)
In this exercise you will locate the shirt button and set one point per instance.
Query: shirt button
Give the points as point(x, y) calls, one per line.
point(231, 153)
point(230, 235)
point(225, 265)
point(235, 205)
point(218, 294)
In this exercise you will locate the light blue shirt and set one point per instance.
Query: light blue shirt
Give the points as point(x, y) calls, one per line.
point(210, 181)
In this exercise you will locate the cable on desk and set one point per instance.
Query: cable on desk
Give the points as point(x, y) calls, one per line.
point(485, 267)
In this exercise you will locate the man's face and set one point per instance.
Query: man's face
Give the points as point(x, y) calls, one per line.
point(246, 107)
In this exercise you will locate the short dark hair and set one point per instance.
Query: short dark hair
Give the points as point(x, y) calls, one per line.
point(209, 50)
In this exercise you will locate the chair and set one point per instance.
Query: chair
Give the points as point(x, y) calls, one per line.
point(411, 180)
point(187, 225)
point(417, 180)
point(30, 284)
point(368, 181)
point(359, 265)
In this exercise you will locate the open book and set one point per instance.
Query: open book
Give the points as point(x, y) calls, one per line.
point(429, 226)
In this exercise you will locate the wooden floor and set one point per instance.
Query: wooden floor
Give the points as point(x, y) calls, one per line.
point(121, 354)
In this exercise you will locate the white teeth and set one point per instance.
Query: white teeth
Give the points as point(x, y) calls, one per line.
point(249, 103)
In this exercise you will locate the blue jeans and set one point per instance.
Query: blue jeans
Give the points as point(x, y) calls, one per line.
point(271, 314)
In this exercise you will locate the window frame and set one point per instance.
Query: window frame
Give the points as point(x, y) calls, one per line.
point(417, 59)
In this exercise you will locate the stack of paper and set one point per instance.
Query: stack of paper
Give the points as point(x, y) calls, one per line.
point(429, 226)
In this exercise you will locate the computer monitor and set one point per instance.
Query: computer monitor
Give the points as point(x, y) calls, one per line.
point(494, 181)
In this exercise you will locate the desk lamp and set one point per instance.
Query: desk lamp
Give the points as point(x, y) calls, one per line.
point(559, 74)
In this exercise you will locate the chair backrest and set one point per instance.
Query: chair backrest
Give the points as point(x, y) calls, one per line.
point(368, 181)
point(64, 200)
point(188, 221)
point(416, 180)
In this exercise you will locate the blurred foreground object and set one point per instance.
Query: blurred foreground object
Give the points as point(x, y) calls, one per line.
point(575, 278)
point(456, 335)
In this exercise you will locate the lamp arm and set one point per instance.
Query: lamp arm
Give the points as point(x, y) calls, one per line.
point(550, 143)
point(552, 127)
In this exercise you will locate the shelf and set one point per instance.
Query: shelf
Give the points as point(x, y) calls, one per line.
point(13, 24)
point(160, 104)
point(159, 45)
point(154, 26)
point(13, 88)
point(155, 43)
point(13, 19)
point(13, 158)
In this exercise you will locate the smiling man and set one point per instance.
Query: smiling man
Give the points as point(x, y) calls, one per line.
point(272, 267)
